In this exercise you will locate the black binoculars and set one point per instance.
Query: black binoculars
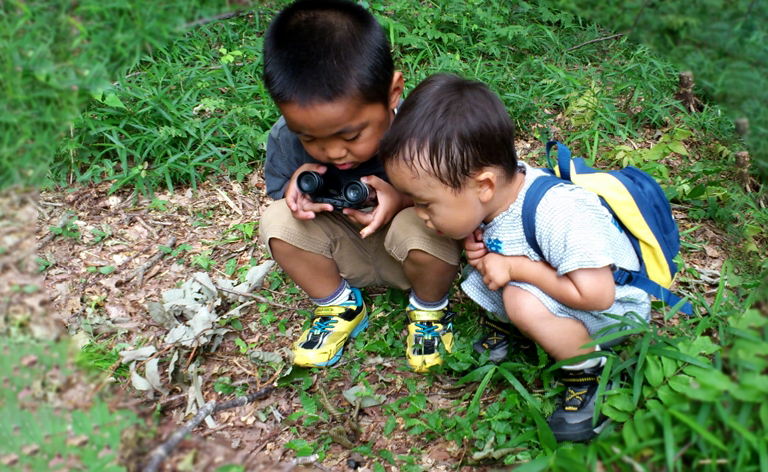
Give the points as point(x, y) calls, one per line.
point(329, 189)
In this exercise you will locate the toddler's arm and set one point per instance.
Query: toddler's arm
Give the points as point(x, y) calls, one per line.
point(582, 289)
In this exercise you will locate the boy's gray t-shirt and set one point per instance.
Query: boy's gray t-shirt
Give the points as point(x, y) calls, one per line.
point(285, 154)
point(574, 231)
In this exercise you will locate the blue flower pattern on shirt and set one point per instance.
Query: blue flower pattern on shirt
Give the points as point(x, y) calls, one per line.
point(494, 245)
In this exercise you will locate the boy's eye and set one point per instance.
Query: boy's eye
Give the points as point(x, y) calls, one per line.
point(352, 138)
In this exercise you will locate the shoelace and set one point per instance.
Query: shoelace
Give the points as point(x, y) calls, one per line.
point(322, 325)
point(428, 334)
point(577, 394)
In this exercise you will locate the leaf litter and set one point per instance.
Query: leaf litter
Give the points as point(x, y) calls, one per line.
point(177, 326)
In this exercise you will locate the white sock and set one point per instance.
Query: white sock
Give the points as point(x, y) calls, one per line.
point(339, 296)
point(587, 364)
point(420, 304)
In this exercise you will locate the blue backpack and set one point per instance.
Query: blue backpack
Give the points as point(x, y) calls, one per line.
point(638, 204)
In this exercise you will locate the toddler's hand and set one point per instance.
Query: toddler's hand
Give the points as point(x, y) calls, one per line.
point(390, 202)
point(495, 270)
point(474, 247)
point(302, 207)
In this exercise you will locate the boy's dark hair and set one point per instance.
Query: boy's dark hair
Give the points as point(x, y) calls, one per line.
point(324, 50)
point(454, 127)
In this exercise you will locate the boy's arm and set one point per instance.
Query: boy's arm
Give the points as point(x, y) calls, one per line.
point(285, 154)
point(390, 203)
point(582, 289)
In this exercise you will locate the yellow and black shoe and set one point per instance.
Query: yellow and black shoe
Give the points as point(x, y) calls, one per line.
point(572, 420)
point(323, 343)
point(497, 340)
point(427, 329)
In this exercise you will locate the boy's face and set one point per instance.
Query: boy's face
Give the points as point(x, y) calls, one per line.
point(455, 214)
point(345, 132)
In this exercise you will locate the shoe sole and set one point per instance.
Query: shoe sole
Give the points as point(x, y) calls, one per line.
point(355, 332)
point(584, 435)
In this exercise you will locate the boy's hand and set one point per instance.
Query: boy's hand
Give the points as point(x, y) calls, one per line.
point(302, 207)
point(474, 247)
point(390, 202)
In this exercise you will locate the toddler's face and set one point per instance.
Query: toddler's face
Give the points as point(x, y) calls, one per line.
point(454, 214)
point(343, 133)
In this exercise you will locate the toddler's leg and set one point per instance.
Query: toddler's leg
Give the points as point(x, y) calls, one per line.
point(562, 338)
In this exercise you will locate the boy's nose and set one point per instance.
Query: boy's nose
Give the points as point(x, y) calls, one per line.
point(335, 152)
point(422, 213)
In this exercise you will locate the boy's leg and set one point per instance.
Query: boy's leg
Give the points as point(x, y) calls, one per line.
point(430, 264)
point(562, 338)
point(303, 249)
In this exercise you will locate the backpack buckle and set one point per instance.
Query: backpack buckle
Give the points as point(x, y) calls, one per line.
point(622, 277)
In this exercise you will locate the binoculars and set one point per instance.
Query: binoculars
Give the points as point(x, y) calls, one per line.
point(329, 189)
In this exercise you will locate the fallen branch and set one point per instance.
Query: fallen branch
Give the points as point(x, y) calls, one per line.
point(152, 261)
point(607, 38)
point(253, 295)
point(163, 451)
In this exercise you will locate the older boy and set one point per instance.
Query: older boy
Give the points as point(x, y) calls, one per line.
point(451, 149)
point(328, 67)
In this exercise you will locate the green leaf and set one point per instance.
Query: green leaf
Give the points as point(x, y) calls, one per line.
point(546, 437)
point(696, 427)
point(669, 440)
point(653, 372)
point(114, 101)
point(678, 147)
point(519, 388)
point(106, 269)
point(473, 406)
point(390, 426)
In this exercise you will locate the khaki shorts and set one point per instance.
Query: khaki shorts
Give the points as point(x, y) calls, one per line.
point(375, 260)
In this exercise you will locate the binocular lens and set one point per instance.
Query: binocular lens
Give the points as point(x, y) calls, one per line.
point(310, 182)
point(356, 192)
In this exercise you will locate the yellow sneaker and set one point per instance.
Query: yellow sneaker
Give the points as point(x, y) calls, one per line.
point(323, 343)
point(426, 330)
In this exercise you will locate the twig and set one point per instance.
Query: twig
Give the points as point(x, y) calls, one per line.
point(637, 17)
point(628, 460)
point(152, 261)
point(253, 295)
point(219, 17)
point(146, 226)
point(607, 38)
point(162, 451)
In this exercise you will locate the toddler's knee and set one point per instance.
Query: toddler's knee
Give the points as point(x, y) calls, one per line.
point(522, 307)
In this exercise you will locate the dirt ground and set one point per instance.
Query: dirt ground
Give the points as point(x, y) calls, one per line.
point(102, 282)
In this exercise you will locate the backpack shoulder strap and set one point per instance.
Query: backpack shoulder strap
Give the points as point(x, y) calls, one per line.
point(636, 279)
point(532, 198)
point(563, 167)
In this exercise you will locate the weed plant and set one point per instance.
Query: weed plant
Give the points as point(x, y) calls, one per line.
point(691, 390)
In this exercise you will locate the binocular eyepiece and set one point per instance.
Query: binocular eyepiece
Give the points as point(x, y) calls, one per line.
point(328, 189)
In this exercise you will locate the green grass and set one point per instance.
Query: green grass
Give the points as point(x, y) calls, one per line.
point(197, 108)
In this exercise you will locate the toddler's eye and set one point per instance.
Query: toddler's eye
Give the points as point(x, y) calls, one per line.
point(352, 138)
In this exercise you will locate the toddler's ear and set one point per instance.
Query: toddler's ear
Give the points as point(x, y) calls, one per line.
point(485, 184)
point(396, 90)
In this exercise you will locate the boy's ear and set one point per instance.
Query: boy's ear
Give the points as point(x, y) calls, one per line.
point(486, 182)
point(396, 90)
